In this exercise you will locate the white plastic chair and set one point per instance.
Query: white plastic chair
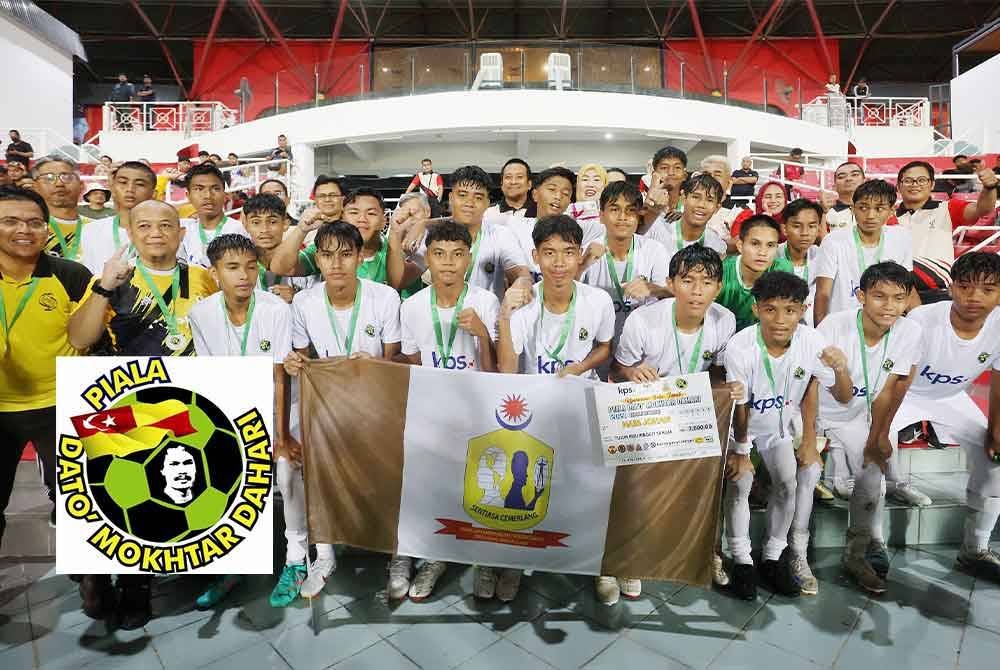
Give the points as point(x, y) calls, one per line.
point(490, 73)
point(560, 70)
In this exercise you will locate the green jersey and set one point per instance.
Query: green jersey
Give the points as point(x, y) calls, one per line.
point(373, 269)
point(735, 295)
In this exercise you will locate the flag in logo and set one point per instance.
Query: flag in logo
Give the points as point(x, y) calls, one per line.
point(120, 431)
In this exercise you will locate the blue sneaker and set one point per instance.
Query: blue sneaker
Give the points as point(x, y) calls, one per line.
point(287, 589)
point(219, 589)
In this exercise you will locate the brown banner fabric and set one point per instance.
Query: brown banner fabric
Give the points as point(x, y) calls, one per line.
point(353, 467)
point(664, 517)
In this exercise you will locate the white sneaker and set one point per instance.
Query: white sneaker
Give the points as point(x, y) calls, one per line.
point(319, 571)
point(910, 496)
point(427, 576)
point(804, 576)
point(719, 576)
point(843, 488)
point(630, 588)
point(508, 584)
point(400, 569)
point(486, 582)
point(607, 590)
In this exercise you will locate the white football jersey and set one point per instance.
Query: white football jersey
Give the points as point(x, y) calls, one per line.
point(838, 260)
point(377, 323)
point(419, 335)
point(949, 364)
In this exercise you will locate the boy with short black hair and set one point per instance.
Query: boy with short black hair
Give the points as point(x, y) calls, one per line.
point(206, 191)
point(758, 249)
point(961, 343)
point(701, 198)
point(845, 254)
point(780, 363)
point(881, 347)
point(243, 320)
point(343, 315)
point(681, 335)
point(450, 325)
point(801, 227)
point(132, 183)
point(265, 221)
point(558, 327)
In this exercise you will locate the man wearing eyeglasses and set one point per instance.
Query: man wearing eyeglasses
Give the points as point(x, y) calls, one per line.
point(57, 180)
point(38, 293)
point(930, 222)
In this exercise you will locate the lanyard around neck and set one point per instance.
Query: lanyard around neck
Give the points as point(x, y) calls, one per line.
point(869, 391)
point(626, 276)
point(68, 252)
point(770, 378)
point(564, 331)
point(680, 236)
point(695, 351)
point(21, 304)
point(169, 316)
point(788, 255)
point(445, 351)
point(346, 343)
point(246, 325)
point(862, 266)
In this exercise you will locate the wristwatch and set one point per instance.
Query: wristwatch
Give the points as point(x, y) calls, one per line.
point(101, 291)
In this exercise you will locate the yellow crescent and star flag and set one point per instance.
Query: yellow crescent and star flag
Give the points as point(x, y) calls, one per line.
point(496, 469)
point(120, 431)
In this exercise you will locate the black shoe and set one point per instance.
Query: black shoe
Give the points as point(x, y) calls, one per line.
point(134, 608)
point(878, 558)
point(743, 582)
point(98, 596)
point(912, 433)
point(932, 439)
point(777, 577)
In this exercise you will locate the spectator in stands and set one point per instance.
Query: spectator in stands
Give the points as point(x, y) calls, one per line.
point(846, 179)
point(103, 167)
point(930, 222)
point(217, 160)
point(4, 177)
point(57, 180)
point(282, 151)
point(515, 182)
point(861, 89)
point(26, 182)
point(616, 174)
point(232, 159)
point(16, 170)
point(428, 181)
point(121, 92)
point(718, 166)
point(328, 193)
point(833, 85)
point(791, 172)
point(590, 182)
point(743, 181)
point(18, 149)
point(203, 156)
point(770, 200)
point(96, 198)
point(146, 93)
point(962, 166)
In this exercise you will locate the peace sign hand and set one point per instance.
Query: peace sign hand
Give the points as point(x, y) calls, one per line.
point(116, 270)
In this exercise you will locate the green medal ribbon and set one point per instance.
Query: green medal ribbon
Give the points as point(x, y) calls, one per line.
point(347, 343)
point(246, 326)
point(788, 255)
point(864, 363)
point(69, 252)
point(567, 325)
point(22, 303)
point(445, 352)
point(626, 276)
point(474, 254)
point(695, 352)
point(117, 238)
point(262, 277)
point(205, 239)
point(770, 378)
point(169, 317)
point(861, 255)
point(680, 237)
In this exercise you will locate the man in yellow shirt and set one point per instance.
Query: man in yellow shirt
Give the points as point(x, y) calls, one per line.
point(38, 294)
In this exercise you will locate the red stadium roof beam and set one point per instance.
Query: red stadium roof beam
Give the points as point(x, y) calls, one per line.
point(696, 23)
point(337, 25)
point(163, 45)
point(297, 70)
point(737, 65)
point(207, 47)
point(818, 27)
point(869, 34)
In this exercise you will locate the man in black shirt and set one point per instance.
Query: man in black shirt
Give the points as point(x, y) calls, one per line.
point(146, 93)
point(123, 91)
point(743, 182)
point(18, 149)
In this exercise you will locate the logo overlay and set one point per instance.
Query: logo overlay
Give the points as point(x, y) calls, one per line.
point(157, 477)
point(508, 483)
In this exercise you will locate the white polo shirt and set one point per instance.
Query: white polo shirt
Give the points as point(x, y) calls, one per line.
point(901, 350)
point(270, 328)
point(648, 337)
point(193, 250)
point(498, 252)
point(838, 260)
point(536, 336)
point(97, 244)
point(807, 273)
point(792, 371)
point(419, 335)
point(377, 323)
point(664, 231)
point(840, 217)
point(649, 261)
